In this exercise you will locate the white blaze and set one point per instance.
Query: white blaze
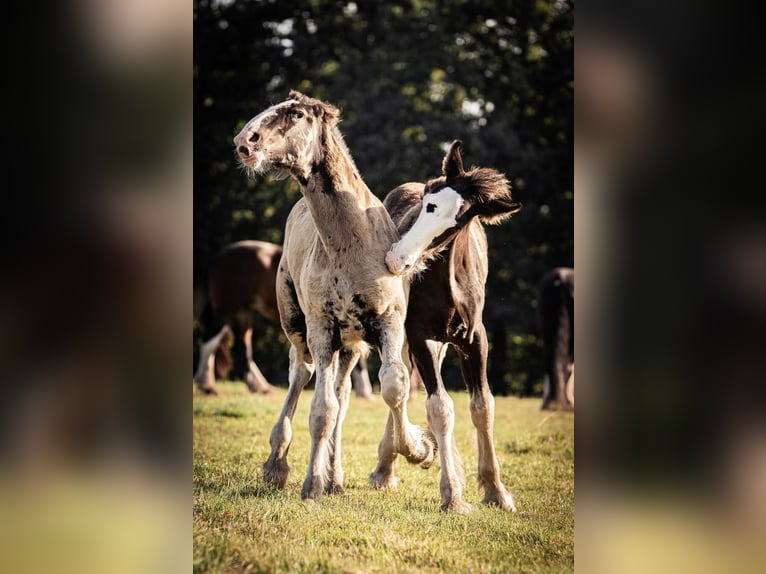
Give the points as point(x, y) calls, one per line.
point(437, 215)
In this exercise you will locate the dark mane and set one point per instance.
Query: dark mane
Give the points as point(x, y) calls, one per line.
point(483, 185)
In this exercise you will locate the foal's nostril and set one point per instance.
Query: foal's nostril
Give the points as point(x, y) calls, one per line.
point(254, 138)
point(243, 150)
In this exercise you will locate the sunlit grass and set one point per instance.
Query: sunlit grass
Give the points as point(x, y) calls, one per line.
point(241, 525)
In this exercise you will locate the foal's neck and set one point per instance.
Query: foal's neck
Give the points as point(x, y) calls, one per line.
point(340, 202)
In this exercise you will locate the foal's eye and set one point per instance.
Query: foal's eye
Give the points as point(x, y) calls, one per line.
point(297, 115)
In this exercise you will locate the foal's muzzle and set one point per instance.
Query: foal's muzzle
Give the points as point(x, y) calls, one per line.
point(397, 264)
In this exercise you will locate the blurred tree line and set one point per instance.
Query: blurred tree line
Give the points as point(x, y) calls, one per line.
point(409, 78)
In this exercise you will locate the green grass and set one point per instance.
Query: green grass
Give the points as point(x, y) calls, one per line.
point(242, 525)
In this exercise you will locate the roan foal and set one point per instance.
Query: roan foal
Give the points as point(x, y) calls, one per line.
point(334, 291)
point(444, 248)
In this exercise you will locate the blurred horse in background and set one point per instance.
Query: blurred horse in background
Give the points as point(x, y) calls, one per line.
point(241, 281)
point(555, 295)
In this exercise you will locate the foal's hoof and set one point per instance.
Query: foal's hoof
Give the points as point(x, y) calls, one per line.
point(427, 457)
point(457, 506)
point(503, 500)
point(333, 488)
point(275, 472)
point(311, 491)
point(383, 481)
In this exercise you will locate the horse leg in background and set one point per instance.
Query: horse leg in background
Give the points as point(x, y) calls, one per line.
point(569, 387)
point(346, 362)
point(416, 383)
point(361, 380)
point(275, 469)
point(254, 379)
point(401, 437)
point(205, 377)
point(473, 364)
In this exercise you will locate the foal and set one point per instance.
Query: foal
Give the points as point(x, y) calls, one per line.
point(444, 247)
point(334, 292)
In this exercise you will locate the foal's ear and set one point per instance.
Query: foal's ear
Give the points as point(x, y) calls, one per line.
point(497, 211)
point(327, 112)
point(452, 166)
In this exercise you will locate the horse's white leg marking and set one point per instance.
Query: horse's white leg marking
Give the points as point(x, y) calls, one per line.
point(324, 411)
point(483, 417)
point(276, 469)
point(346, 362)
point(205, 377)
point(414, 443)
point(440, 411)
point(254, 379)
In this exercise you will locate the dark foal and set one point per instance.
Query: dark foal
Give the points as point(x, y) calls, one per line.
point(444, 247)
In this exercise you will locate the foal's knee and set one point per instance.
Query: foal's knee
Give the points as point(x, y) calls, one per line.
point(394, 383)
point(322, 417)
point(440, 410)
point(482, 408)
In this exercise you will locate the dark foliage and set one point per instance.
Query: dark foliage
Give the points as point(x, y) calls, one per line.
point(409, 77)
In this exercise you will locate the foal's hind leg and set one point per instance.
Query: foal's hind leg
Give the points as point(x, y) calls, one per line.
point(276, 469)
point(473, 363)
point(346, 363)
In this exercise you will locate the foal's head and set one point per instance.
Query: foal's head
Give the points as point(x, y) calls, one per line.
point(449, 204)
point(287, 137)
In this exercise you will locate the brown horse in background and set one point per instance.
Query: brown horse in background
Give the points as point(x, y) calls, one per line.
point(240, 282)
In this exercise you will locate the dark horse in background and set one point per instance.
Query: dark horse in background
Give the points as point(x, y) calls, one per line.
point(444, 248)
point(240, 282)
point(555, 295)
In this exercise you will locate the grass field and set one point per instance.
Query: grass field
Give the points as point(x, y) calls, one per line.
point(241, 525)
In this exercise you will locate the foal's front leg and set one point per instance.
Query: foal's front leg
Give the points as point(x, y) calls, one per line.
point(440, 411)
point(417, 445)
point(324, 411)
point(275, 469)
point(346, 363)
